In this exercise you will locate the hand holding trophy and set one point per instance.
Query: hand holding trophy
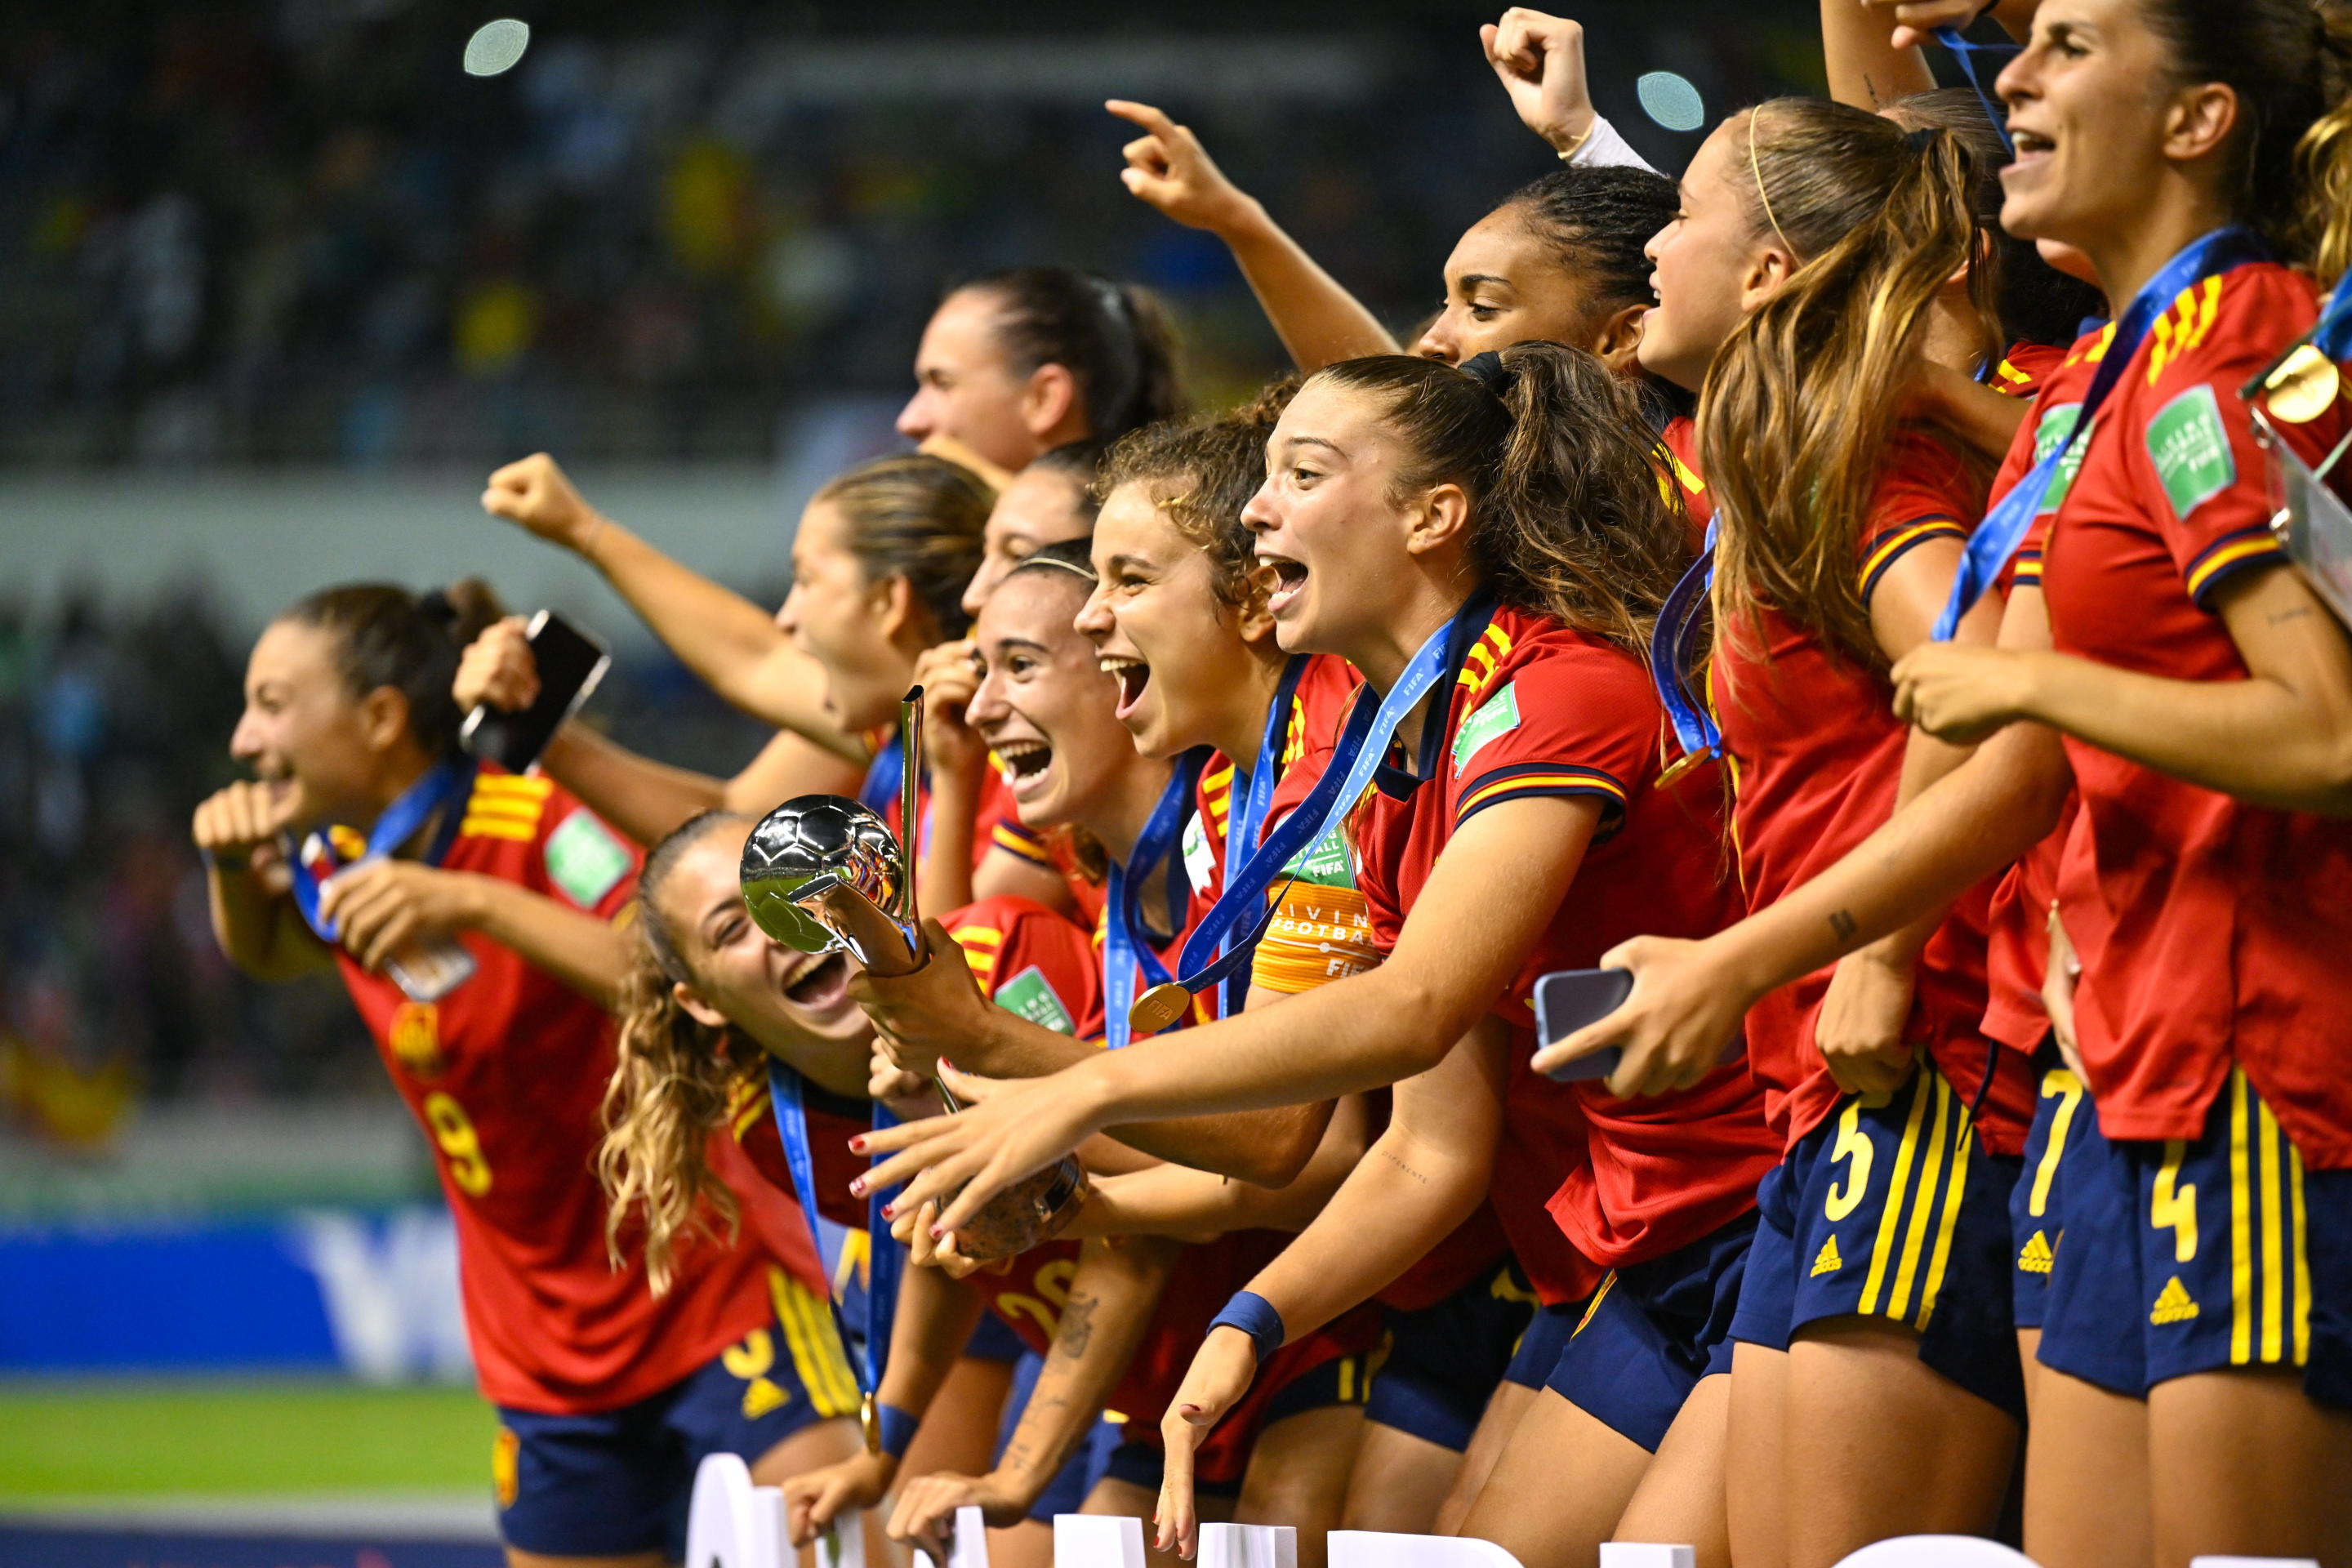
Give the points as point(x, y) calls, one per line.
point(823, 873)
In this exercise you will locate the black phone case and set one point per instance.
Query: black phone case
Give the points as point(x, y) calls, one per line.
point(1569, 1000)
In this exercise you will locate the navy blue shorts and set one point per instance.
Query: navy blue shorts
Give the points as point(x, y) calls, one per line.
point(1442, 1361)
point(1079, 1474)
point(1653, 1330)
point(618, 1482)
point(2203, 1254)
point(2037, 1216)
point(1891, 1209)
point(1541, 1342)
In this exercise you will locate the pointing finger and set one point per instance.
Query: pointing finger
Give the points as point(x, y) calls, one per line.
point(1143, 114)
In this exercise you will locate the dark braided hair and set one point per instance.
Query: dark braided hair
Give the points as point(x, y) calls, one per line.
point(1598, 221)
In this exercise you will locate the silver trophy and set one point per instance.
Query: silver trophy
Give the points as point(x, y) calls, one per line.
point(823, 873)
point(2311, 522)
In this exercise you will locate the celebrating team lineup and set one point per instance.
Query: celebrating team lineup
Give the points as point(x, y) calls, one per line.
point(1703, 902)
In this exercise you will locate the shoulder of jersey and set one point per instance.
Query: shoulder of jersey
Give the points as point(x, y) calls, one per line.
point(985, 927)
point(2248, 313)
point(509, 806)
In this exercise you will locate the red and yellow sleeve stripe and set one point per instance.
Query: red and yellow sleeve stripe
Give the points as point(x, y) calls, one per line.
point(1893, 543)
point(1017, 840)
point(506, 805)
point(1529, 779)
point(2226, 556)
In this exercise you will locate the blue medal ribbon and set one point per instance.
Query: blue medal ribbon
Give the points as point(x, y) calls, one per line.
point(1965, 53)
point(1363, 746)
point(1122, 913)
point(447, 781)
point(1244, 824)
point(1996, 539)
point(884, 1259)
point(2333, 336)
point(1669, 652)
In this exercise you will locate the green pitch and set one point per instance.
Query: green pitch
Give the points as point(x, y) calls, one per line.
point(88, 1438)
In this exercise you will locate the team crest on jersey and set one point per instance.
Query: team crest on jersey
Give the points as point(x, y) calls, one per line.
point(415, 1035)
point(2191, 450)
point(1498, 715)
point(1029, 994)
point(584, 861)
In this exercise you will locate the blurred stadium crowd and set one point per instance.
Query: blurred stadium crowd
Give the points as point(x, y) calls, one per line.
point(273, 233)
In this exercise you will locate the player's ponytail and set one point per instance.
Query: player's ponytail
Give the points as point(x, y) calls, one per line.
point(1571, 515)
point(1200, 475)
point(386, 636)
point(672, 1080)
point(920, 518)
point(1115, 338)
point(1805, 397)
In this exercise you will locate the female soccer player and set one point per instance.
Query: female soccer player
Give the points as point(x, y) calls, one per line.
point(498, 890)
point(1179, 617)
point(1017, 363)
point(2200, 695)
point(1407, 496)
point(881, 561)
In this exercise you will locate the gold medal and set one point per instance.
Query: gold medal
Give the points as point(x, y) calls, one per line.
point(1681, 765)
point(2303, 388)
point(1158, 1008)
point(869, 1421)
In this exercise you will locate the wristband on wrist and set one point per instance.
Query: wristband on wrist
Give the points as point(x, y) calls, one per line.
point(1573, 148)
point(1254, 1315)
point(898, 1430)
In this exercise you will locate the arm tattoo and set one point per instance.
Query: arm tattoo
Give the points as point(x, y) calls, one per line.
point(1077, 1326)
point(1391, 1157)
point(1843, 924)
point(2293, 614)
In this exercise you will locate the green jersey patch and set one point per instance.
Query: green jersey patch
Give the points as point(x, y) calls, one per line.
point(1326, 863)
point(2191, 450)
point(2056, 425)
point(1498, 715)
point(1030, 996)
point(584, 861)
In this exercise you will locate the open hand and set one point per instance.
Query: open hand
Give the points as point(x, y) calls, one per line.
point(382, 905)
point(1683, 1012)
point(1540, 60)
point(1221, 1372)
point(1013, 1128)
point(1170, 169)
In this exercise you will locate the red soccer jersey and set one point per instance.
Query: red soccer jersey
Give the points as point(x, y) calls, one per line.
point(2017, 939)
point(2227, 922)
point(1816, 754)
point(1681, 439)
point(506, 1076)
point(2025, 370)
point(1537, 709)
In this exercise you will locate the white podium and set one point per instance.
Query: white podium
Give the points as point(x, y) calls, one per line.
point(729, 1522)
point(1937, 1551)
point(1376, 1549)
point(1098, 1541)
point(1249, 1546)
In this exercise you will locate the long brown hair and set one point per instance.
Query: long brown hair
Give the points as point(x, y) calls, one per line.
point(1804, 399)
point(673, 1081)
point(1569, 516)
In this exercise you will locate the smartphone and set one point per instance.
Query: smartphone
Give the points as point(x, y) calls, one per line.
point(1569, 1000)
point(570, 662)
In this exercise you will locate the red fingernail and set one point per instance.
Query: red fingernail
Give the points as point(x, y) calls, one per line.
point(889, 1211)
point(938, 1231)
point(857, 1187)
point(858, 1145)
point(948, 1065)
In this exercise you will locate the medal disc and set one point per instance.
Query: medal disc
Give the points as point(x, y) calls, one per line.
point(2303, 388)
point(1158, 1008)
